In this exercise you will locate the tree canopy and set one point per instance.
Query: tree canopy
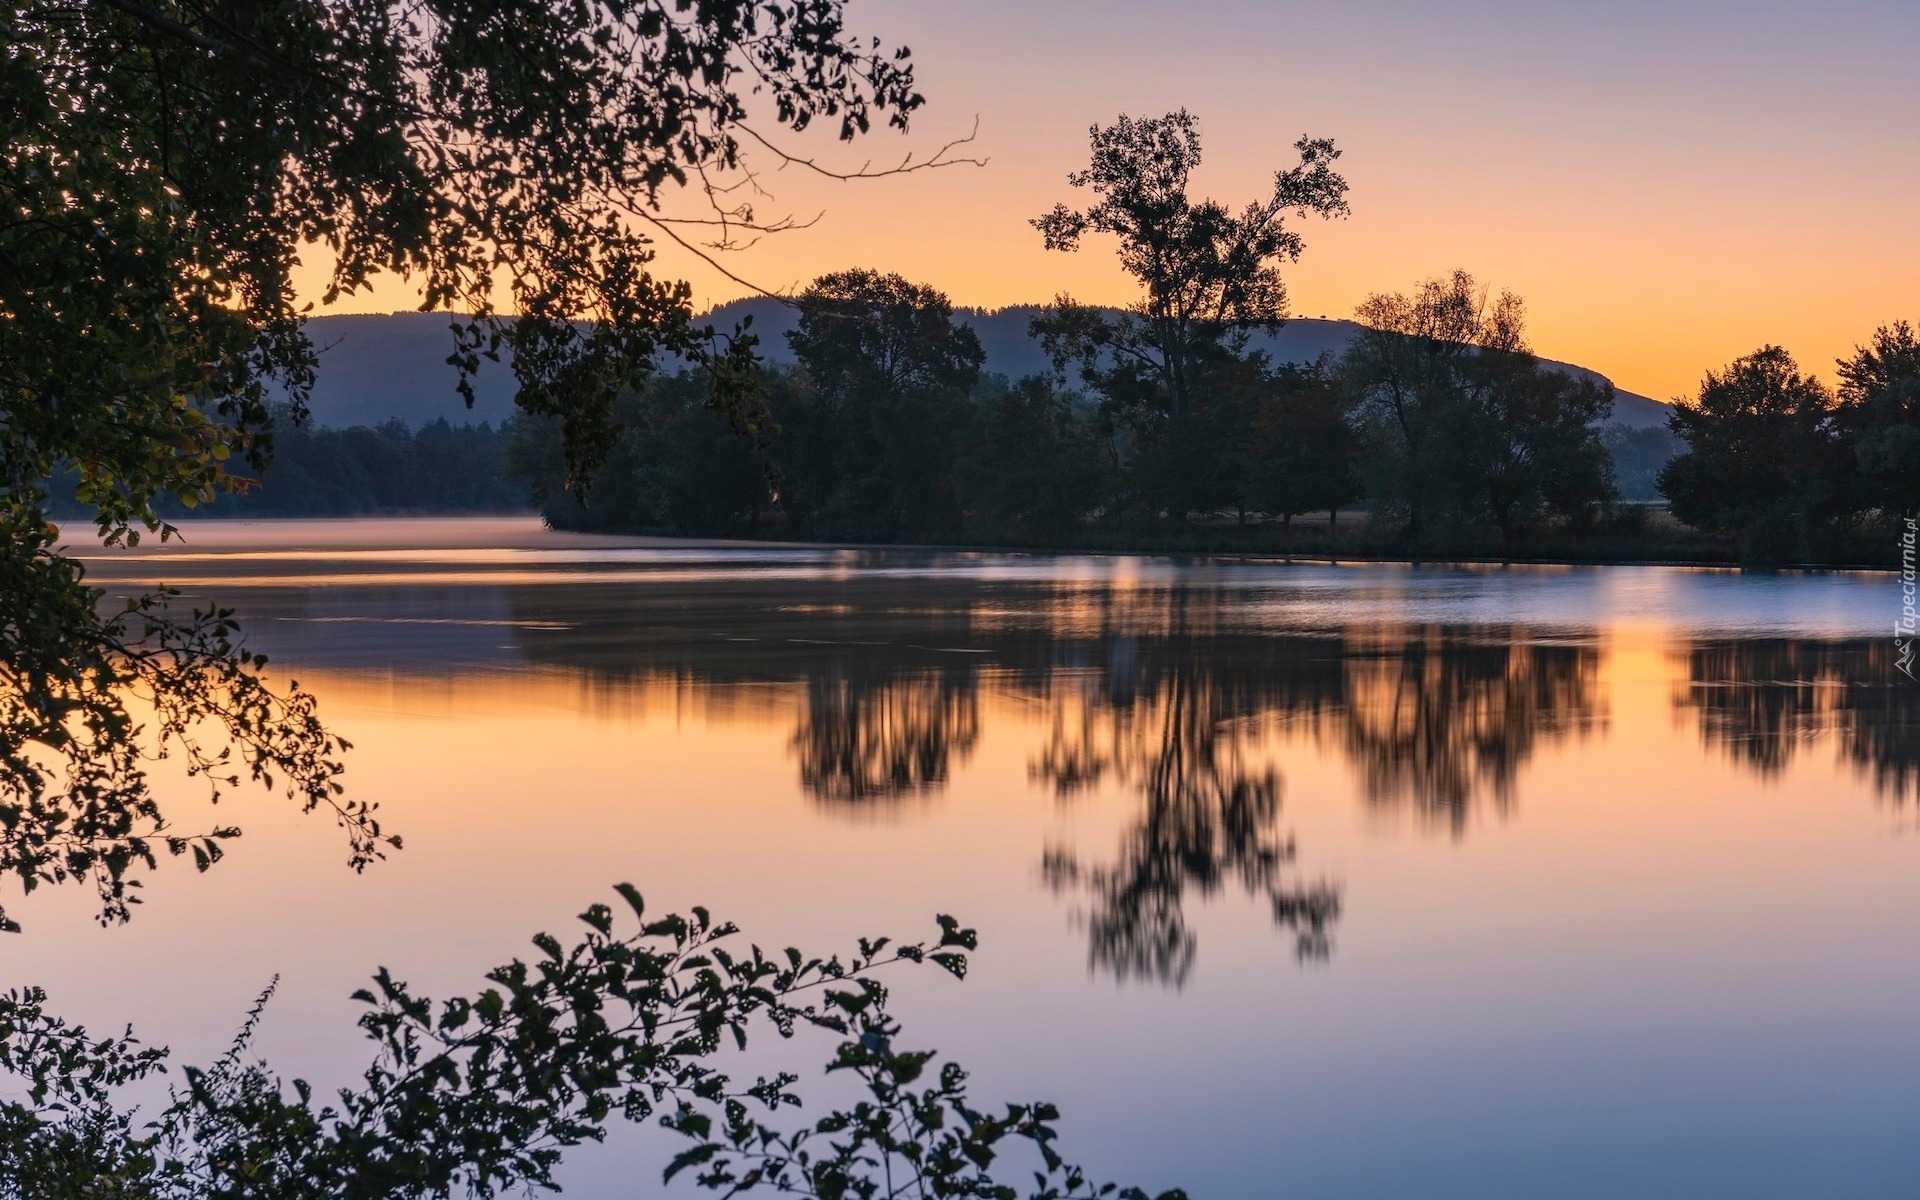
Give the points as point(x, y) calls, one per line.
point(1462, 422)
point(166, 166)
point(1205, 271)
point(1763, 456)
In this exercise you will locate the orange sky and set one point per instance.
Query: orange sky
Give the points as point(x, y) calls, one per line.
point(1669, 185)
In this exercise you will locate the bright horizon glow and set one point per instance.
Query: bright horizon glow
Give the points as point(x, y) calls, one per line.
point(1669, 186)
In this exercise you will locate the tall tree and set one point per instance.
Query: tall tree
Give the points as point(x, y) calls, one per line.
point(1414, 366)
point(1464, 422)
point(1879, 407)
point(1532, 446)
point(891, 373)
point(166, 164)
point(1207, 273)
point(1765, 463)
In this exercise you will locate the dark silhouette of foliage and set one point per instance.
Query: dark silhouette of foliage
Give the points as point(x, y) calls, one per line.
point(360, 471)
point(1036, 464)
point(76, 802)
point(677, 467)
point(890, 375)
point(1766, 463)
point(481, 1095)
point(1206, 272)
point(165, 163)
point(1301, 453)
point(1462, 423)
point(1878, 405)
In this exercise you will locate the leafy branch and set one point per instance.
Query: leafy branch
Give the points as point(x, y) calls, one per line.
point(482, 1094)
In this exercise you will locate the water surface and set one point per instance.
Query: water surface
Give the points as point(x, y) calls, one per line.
point(1312, 880)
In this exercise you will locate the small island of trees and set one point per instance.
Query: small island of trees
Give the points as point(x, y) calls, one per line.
point(1164, 427)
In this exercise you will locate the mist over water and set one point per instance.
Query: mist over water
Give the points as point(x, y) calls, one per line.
point(1312, 880)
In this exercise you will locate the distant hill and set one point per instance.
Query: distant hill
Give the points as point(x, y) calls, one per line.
point(379, 368)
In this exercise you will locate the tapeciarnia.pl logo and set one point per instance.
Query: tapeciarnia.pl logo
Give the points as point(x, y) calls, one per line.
point(1905, 628)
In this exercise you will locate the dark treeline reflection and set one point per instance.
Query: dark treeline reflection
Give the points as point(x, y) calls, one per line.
point(1181, 727)
point(1172, 693)
point(865, 738)
point(1762, 701)
point(1441, 719)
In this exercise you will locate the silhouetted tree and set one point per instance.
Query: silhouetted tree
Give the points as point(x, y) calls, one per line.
point(1301, 455)
point(1766, 462)
point(1209, 276)
point(677, 467)
point(164, 166)
point(480, 1095)
point(1463, 424)
point(890, 374)
point(1531, 445)
point(1206, 272)
point(1418, 363)
point(1879, 407)
point(1036, 465)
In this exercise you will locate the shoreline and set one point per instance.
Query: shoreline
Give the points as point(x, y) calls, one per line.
point(528, 531)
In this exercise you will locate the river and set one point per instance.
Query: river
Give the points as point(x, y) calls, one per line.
point(1314, 880)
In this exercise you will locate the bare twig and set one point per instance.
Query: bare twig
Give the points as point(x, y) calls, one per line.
point(906, 166)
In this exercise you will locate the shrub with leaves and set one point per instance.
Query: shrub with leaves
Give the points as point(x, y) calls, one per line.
point(480, 1095)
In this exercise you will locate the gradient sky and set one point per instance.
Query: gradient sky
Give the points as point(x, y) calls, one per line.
point(1669, 185)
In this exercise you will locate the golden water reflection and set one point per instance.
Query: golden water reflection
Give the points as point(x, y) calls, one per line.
point(1444, 860)
point(1764, 701)
point(1180, 687)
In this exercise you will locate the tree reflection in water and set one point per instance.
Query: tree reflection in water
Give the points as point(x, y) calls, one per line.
point(1762, 700)
point(1210, 816)
point(863, 739)
point(1176, 693)
point(1439, 719)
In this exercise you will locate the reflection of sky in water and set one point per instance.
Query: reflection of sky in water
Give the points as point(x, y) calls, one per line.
point(1623, 857)
point(1298, 595)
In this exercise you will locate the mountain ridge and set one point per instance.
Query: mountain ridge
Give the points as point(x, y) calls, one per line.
point(380, 367)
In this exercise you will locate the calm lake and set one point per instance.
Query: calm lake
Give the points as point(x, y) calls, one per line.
point(1292, 880)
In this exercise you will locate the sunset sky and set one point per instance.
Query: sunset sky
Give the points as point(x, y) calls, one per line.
point(1669, 185)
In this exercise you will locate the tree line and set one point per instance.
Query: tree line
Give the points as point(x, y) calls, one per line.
point(360, 471)
point(1437, 419)
point(1155, 421)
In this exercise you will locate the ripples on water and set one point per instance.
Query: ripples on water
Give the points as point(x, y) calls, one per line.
point(1446, 864)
